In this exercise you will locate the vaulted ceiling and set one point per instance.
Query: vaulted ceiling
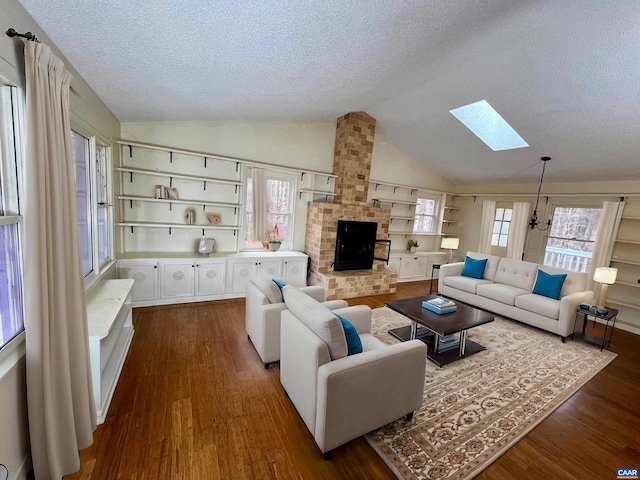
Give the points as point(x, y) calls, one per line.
point(565, 74)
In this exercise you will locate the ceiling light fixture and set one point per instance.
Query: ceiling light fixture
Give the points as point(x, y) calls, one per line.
point(533, 223)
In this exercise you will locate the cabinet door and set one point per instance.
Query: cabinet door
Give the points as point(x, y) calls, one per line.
point(145, 276)
point(394, 263)
point(177, 280)
point(269, 268)
point(241, 272)
point(210, 278)
point(421, 267)
point(295, 272)
point(408, 267)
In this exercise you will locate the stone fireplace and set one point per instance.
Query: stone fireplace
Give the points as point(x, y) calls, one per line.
point(355, 133)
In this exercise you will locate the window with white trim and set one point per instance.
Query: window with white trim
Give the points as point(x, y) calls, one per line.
point(426, 215)
point(92, 162)
point(501, 227)
point(572, 238)
point(279, 209)
point(11, 315)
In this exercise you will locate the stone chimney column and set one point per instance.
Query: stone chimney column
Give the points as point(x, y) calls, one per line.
point(355, 132)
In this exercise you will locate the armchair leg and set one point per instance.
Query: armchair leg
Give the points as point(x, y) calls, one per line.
point(408, 416)
point(327, 455)
point(267, 365)
point(563, 339)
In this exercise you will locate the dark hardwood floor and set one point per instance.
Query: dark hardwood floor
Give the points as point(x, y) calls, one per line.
point(195, 402)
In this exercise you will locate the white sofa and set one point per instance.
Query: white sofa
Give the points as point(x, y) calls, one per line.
point(506, 289)
point(338, 396)
point(263, 305)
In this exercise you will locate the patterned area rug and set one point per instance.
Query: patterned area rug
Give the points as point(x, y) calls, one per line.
point(476, 408)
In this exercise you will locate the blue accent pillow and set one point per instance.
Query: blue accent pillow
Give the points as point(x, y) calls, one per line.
point(280, 284)
point(549, 285)
point(354, 344)
point(474, 268)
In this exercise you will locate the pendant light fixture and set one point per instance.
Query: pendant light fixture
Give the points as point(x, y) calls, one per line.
point(533, 223)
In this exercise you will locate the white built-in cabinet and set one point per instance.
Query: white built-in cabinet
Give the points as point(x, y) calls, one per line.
point(415, 266)
point(625, 293)
point(144, 274)
point(173, 278)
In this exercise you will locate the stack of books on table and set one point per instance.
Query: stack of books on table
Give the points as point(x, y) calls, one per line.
point(448, 342)
point(440, 305)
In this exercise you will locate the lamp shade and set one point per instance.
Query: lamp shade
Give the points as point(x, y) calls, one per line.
point(605, 275)
point(450, 243)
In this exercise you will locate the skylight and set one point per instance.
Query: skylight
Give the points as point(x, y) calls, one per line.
point(489, 126)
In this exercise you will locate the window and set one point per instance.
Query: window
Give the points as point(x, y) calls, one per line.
point(501, 225)
point(278, 209)
point(93, 201)
point(572, 237)
point(426, 218)
point(11, 319)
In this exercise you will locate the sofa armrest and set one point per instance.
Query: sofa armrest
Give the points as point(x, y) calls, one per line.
point(335, 304)
point(358, 315)
point(449, 270)
point(314, 291)
point(568, 307)
point(362, 392)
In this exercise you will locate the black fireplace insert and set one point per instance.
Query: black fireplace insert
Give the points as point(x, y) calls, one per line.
point(355, 245)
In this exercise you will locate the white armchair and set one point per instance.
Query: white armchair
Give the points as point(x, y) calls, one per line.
point(342, 397)
point(262, 315)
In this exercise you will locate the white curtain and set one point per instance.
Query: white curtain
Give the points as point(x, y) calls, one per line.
point(486, 227)
point(518, 230)
point(607, 230)
point(60, 400)
point(260, 206)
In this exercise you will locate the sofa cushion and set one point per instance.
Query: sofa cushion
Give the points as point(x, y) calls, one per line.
point(354, 344)
point(501, 293)
point(280, 284)
point(516, 273)
point(474, 268)
point(492, 263)
point(269, 289)
point(545, 306)
point(318, 319)
point(549, 285)
point(466, 284)
point(575, 281)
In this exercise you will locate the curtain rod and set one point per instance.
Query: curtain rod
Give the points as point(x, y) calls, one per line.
point(29, 36)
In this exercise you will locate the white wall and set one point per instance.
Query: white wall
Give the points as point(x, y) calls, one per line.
point(89, 113)
point(298, 145)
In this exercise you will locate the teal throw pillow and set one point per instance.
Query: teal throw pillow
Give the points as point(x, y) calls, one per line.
point(549, 285)
point(280, 284)
point(354, 344)
point(474, 268)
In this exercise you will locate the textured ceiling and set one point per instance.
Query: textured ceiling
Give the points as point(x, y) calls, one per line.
point(565, 74)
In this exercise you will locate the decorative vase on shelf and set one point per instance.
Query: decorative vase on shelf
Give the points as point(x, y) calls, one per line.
point(412, 249)
point(274, 247)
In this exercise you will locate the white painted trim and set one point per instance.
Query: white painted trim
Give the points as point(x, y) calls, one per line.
point(11, 354)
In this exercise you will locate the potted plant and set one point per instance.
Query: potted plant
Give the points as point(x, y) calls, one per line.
point(274, 245)
point(412, 245)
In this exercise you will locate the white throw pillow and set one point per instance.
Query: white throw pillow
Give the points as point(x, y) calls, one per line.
point(318, 319)
point(269, 288)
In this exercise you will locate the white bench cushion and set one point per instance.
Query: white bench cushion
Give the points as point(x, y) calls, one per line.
point(466, 284)
point(501, 293)
point(539, 304)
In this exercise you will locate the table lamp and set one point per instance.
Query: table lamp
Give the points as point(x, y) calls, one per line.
point(605, 276)
point(450, 243)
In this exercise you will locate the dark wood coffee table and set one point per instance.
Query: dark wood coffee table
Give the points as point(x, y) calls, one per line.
point(438, 325)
